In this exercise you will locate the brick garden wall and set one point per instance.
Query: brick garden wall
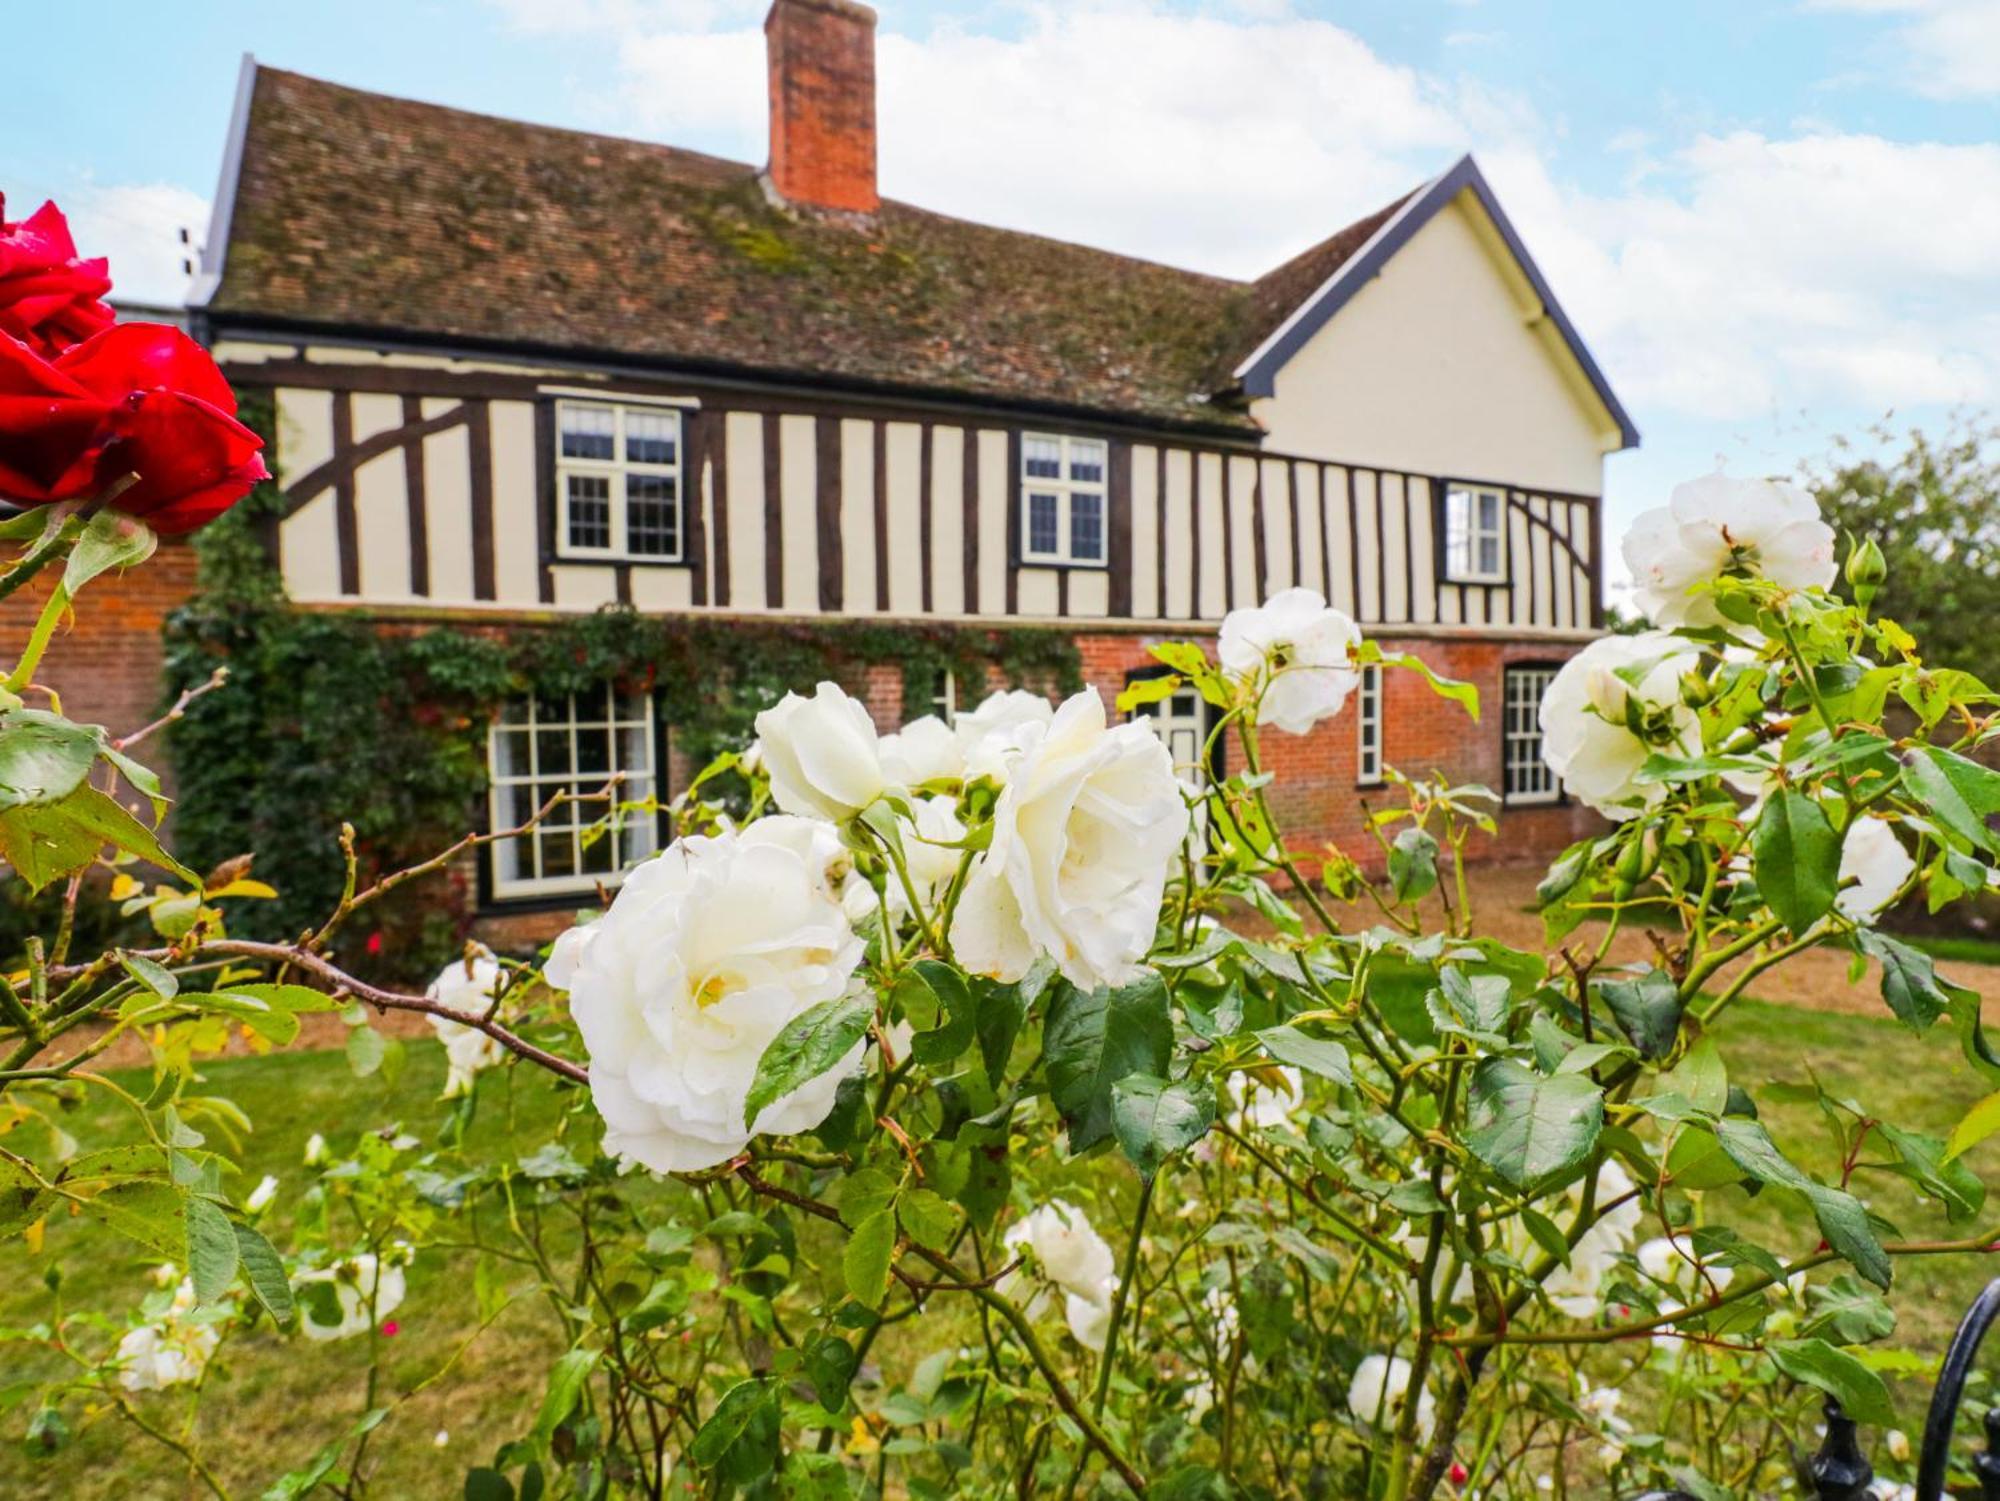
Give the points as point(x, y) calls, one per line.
point(109, 663)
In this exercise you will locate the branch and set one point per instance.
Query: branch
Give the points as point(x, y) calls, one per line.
point(214, 681)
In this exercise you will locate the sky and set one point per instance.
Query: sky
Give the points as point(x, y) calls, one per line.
point(1775, 222)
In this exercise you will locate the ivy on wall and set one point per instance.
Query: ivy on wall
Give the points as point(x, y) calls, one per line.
point(329, 717)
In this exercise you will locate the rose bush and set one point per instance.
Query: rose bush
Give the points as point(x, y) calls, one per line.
point(1012, 1112)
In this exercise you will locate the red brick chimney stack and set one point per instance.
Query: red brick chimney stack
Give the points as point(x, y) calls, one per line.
point(822, 60)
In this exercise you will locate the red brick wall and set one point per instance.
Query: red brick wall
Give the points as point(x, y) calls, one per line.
point(108, 662)
point(822, 72)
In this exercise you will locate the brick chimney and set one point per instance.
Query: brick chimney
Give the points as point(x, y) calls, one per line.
point(822, 60)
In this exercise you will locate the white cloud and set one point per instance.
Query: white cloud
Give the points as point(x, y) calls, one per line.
point(1951, 48)
point(136, 225)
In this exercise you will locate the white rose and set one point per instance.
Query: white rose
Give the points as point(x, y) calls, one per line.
point(566, 955)
point(1084, 831)
point(1575, 1289)
point(924, 750)
point(1069, 1252)
point(469, 984)
point(1295, 648)
point(1376, 1394)
point(261, 1196)
point(1719, 526)
point(1089, 1318)
point(822, 753)
point(1587, 737)
point(985, 733)
point(1263, 1104)
point(707, 952)
point(1672, 1263)
point(1873, 858)
point(362, 1286)
point(173, 1352)
point(315, 1152)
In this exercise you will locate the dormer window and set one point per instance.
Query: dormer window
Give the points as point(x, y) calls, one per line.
point(1475, 534)
point(1063, 499)
point(618, 481)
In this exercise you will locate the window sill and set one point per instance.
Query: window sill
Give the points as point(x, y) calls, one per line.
point(1063, 565)
point(578, 559)
point(1490, 580)
point(1532, 800)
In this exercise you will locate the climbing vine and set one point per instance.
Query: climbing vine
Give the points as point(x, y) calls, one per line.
point(331, 717)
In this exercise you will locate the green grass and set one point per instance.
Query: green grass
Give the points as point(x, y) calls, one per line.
point(279, 1400)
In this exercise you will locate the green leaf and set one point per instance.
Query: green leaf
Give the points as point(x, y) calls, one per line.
point(1852, 1312)
point(830, 1366)
point(950, 1000)
point(1148, 690)
point(1000, 1011)
point(1463, 694)
point(740, 1437)
point(366, 1048)
point(1529, 1129)
point(1859, 1391)
point(1928, 1162)
point(1910, 982)
point(567, 1379)
point(1795, 857)
point(1094, 1038)
point(1960, 793)
point(1413, 872)
point(147, 1211)
point(110, 539)
point(43, 757)
point(265, 1272)
point(809, 1044)
point(1842, 1220)
point(487, 1485)
point(1315, 1055)
point(928, 1218)
point(22, 1196)
point(871, 1250)
point(155, 976)
point(46, 842)
point(212, 1249)
point(1648, 1008)
point(1154, 1119)
point(1978, 1123)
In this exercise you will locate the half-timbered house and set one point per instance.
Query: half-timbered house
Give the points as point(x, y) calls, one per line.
point(523, 372)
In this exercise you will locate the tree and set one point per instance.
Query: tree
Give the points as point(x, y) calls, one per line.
point(1934, 510)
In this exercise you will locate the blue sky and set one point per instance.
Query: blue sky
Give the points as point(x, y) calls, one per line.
point(1774, 222)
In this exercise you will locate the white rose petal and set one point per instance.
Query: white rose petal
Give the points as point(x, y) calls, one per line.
point(1089, 1319)
point(985, 733)
point(1067, 1250)
point(707, 952)
point(1873, 858)
point(261, 1196)
point(566, 954)
point(924, 750)
point(361, 1285)
point(1376, 1394)
point(822, 754)
point(470, 985)
point(173, 1352)
point(1262, 1104)
point(1296, 650)
point(1083, 835)
point(1718, 526)
point(1586, 737)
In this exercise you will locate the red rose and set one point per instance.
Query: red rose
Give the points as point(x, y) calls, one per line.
point(139, 398)
point(48, 298)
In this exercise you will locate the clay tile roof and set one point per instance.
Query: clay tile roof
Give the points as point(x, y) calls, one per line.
point(357, 210)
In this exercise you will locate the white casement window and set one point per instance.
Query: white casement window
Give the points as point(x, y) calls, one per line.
point(1526, 777)
point(1065, 499)
point(618, 481)
point(1368, 728)
point(944, 696)
point(570, 743)
point(1475, 534)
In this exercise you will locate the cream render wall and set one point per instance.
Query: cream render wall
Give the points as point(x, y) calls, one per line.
point(1444, 365)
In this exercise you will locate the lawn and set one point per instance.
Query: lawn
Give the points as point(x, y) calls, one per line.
point(284, 1399)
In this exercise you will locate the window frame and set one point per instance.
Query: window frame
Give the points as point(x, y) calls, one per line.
point(1065, 490)
point(563, 891)
point(1368, 716)
point(944, 696)
point(1539, 797)
point(615, 471)
point(1473, 491)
